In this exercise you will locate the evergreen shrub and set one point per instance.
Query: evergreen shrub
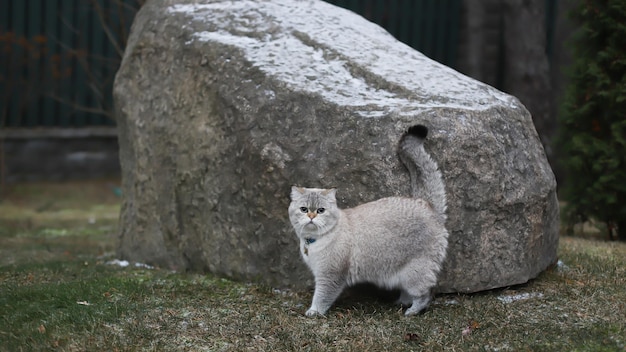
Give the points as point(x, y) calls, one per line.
point(592, 121)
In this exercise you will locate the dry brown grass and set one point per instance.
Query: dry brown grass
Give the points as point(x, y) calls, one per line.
point(70, 299)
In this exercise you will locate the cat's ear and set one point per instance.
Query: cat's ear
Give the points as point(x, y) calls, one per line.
point(296, 192)
point(331, 192)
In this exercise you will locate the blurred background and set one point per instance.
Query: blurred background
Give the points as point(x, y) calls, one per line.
point(58, 59)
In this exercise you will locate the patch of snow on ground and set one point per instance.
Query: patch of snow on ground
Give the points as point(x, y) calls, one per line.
point(561, 266)
point(519, 297)
point(447, 302)
point(122, 263)
point(125, 263)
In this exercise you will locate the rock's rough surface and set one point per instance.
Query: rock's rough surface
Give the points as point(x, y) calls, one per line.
point(223, 105)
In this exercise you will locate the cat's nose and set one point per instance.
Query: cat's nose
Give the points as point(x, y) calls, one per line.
point(311, 215)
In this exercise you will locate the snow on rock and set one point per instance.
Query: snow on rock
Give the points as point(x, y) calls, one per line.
point(344, 62)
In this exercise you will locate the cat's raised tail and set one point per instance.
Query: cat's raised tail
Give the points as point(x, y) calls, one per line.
point(426, 179)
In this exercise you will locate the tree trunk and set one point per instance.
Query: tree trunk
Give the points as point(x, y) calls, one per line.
point(526, 66)
point(503, 43)
point(621, 231)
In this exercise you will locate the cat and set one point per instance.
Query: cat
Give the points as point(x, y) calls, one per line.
point(394, 243)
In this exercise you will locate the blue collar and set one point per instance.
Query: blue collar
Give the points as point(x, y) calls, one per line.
point(309, 241)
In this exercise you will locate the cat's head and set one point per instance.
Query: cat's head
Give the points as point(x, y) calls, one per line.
point(313, 211)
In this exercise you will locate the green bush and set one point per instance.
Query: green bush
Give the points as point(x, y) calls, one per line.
point(593, 117)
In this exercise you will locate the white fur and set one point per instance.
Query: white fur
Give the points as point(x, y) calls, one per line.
point(392, 242)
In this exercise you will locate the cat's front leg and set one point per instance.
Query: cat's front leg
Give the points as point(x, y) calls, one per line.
point(326, 292)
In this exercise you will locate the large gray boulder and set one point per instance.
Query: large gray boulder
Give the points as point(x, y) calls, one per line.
point(223, 105)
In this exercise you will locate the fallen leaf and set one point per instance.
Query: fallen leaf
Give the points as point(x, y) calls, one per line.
point(409, 336)
point(473, 325)
point(42, 329)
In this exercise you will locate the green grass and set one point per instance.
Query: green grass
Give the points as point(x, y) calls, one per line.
point(58, 293)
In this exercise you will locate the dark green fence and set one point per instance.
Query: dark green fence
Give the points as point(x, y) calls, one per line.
point(58, 58)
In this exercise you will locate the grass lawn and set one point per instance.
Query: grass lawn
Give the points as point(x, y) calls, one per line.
point(57, 292)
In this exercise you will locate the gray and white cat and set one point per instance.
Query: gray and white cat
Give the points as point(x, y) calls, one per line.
point(395, 243)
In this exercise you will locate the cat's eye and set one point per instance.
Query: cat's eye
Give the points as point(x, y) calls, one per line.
point(321, 210)
point(304, 209)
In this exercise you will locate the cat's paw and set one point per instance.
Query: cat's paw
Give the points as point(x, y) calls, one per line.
point(409, 312)
point(418, 306)
point(313, 313)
